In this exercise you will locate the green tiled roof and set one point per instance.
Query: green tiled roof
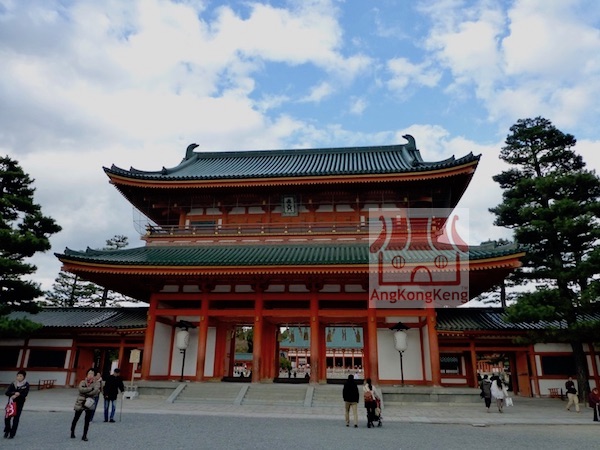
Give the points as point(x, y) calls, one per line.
point(336, 337)
point(253, 255)
point(295, 163)
point(448, 319)
point(121, 318)
point(484, 319)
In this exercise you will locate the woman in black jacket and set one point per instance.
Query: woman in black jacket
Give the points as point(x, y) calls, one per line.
point(17, 392)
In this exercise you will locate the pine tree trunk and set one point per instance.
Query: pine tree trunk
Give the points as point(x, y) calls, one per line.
point(583, 383)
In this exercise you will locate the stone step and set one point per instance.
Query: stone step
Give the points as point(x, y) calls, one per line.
point(211, 393)
point(274, 394)
point(312, 395)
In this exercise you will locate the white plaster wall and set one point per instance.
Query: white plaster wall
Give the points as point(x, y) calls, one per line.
point(33, 377)
point(552, 347)
point(191, 356)
point(50, 342)
point(160, 349)
point(12, 342)
point(211, 341)
point(547, 384)
point(389, 358)
point(460, 381)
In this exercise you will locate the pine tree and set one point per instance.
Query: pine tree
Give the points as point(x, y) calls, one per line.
point(552, 203)
point(24, 231)
point(69, 290)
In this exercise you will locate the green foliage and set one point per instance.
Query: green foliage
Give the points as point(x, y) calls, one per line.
point(16, 328)
point(285, 364)
point(552, 203)
point(69, 290)
point(24, 231)
point(110, 298)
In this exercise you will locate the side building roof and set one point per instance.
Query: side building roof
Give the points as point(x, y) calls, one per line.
point(94, 318)
point(448, 319)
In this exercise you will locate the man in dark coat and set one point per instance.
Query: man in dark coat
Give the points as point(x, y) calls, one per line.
point(486, 391)
point(350, 395)
point(113, 385)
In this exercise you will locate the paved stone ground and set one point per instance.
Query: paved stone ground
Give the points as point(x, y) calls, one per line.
point(50, 430)
point(526, 411)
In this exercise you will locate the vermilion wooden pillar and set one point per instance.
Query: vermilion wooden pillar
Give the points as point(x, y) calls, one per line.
point(149, 339)
point(315, 357)
point(473, 362)
point(257, 368)
point(434, 350)
point(594, 364)
point(373, 367)
point(202, 336)
point(269, 355)
point(323, 352)
point(221, 349)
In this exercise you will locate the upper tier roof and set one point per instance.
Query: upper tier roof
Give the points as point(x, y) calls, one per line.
point(345, 161)
point(244, 255)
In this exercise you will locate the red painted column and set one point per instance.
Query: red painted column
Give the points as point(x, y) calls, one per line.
point(594, 365)
point(473, 361)
point(373, 366)
point(534, 370)
point(149, 339)
point(434, 350)
point(322, 352)
point(257, 369)
point(315, 337)
point(202, 335)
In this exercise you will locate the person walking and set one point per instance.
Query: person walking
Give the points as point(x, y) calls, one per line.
point(88, 389)
point(572, 394)
point(595, 403)
point(16, 392)
point(351, 397)
point(370, 396)
point(486, 391)
point(499, 392)
point(113, 385)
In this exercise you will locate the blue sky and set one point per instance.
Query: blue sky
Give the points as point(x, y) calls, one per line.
point(87, 84)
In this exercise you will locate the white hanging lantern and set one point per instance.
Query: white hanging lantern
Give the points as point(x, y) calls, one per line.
point(400, 340)
point(183, 339)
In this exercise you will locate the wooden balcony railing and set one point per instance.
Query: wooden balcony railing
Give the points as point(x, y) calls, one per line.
point(259, 228)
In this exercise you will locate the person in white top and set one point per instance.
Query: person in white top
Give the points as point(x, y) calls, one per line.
point(499, 392)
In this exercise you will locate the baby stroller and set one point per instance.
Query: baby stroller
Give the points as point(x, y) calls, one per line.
point(376, 415)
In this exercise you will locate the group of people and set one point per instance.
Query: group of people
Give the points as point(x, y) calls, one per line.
point(372, 402)
point(89, 391)
point(573, 399)
point(494, 388)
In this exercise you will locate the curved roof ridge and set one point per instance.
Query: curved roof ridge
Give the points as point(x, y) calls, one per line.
point(301, 162)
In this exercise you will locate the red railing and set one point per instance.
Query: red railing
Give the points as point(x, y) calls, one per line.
point(259, 228)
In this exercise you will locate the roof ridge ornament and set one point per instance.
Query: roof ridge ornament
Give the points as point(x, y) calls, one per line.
point(189, 152)
point(411, 150)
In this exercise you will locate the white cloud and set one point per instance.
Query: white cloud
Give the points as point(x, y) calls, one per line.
point(318, 93)
point(534, 58)
point(357, 105)
point(404, 73)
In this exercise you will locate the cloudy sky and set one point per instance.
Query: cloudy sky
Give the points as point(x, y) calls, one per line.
point(87, 84)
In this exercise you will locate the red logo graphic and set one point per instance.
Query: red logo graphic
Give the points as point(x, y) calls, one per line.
point(418, 259)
